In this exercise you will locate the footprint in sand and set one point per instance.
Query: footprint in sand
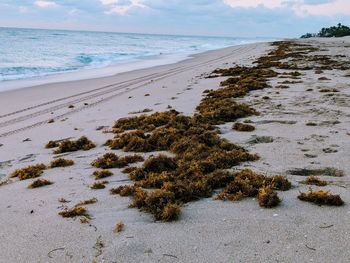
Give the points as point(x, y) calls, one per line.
point(329, 150)
point(28, 158)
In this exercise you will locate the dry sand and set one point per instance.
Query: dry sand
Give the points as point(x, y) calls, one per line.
point(208, 230)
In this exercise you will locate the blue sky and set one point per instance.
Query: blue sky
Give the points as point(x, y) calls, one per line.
point(241, 18)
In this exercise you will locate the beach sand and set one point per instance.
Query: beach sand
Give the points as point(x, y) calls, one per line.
point(208, 230)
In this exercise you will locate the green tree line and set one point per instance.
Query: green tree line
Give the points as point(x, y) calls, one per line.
point(333, 31)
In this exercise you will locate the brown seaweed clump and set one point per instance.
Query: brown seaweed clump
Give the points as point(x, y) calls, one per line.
point(111, 160)
point(87, 202)
point(83, 143)
point(160, 203)
point(146, 122)
point(243, 127)
point(199, 156)
point(61, 163)
point(119, 227)
point(51, 144)
point(124, 190)
point(247, 183)
point(39, 183)
point(102, 174)
point(174, 190)
point(29, 172)
point(218, 111)
point(74, 212)
point(321, 198)
point(268, 198)
point(99, 185)
point(313, 180)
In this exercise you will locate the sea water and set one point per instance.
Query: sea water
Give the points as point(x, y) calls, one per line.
point(30, 53)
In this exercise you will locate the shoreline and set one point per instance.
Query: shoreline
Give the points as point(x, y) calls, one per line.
point(106, 71)
point(228, 231)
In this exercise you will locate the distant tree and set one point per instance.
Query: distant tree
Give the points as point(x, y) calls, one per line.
point(333, 31)
point(308, 35)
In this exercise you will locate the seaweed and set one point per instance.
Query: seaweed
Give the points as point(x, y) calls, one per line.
point(87, 202)
point(135, 141)
point(199, 155)
point(323, 78)
point(108, 160)
point(99, 185)
point(102, 174)
point(157, 202)
point(243, 127)
point(159, 164)
point(328, 171)
point(321, 198)
point(39, 183)
point(144, 122)
point(119, 227)
point(51, 144)
point(171, 212)
point(29, 172)
point(247, 183)
point(215, 111)
point(124, 190)
point(312, 180)
point(61, 163)
point(268, 198)
point(83, 143)
point(326, 90)
point(111, 160)
point(74, 212)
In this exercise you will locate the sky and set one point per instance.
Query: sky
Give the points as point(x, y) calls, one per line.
point(237, 18)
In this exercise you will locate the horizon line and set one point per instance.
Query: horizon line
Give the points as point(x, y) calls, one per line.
point(136, 33)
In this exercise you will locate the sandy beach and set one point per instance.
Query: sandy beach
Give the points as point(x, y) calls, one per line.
point(302, 125)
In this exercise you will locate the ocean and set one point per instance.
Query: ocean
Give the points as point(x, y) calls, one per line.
point(31, 53)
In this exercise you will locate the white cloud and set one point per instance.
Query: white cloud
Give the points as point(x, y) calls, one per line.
point(337, 7)
point(45, 4)
point(121, 7)
point(271, 4)
point(299, 7)
point(109, 2)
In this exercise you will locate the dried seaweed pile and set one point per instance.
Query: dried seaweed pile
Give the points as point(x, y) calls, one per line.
point(198, 157)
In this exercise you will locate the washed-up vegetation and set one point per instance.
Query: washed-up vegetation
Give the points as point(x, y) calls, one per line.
point(29, 172)
point(99, 185)
point(329, 171)
point(195, 161)
point(74, 212)
point(249, 184)
point(119, 227)
point(39, 183)
point(61, 163)
point(243, 127)
point(313, 180)
point(87, 202)
point(83, 143)
point(102, 174)
point(111, 160)
point(321, 198)
point(198, 158)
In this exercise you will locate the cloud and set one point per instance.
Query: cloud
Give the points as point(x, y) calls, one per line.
point(45, 4)
point(333, 8)
point(121, 7)
point(271, 4)
point(299, 7)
